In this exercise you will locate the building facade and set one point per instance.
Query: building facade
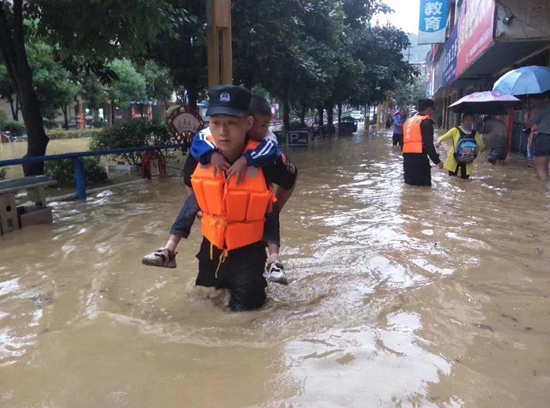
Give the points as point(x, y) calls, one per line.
point(484, 40)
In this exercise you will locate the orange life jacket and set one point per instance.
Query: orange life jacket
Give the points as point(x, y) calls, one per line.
point(233, 215)
point(412, 134)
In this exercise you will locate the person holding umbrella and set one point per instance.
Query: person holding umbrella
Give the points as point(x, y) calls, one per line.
point(495, 135)
point(466, 145)
point(540, 117)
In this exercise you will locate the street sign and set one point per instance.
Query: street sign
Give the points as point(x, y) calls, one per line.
point(298, 138)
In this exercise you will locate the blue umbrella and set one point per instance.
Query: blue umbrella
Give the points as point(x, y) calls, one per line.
point(524, 81)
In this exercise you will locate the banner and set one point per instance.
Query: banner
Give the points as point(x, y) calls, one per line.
point(449, 57)
point(475, 31)
point(433, 21)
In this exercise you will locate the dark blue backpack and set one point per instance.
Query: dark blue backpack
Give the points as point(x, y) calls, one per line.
point(466, 149)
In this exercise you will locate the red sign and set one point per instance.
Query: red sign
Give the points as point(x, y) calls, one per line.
point(184, 122)
point(475, 31)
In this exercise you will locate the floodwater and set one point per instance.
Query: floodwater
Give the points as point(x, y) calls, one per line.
point(400, 297)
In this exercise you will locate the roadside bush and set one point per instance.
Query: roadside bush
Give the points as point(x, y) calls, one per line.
point(70, 134)
point(15, 127)
point(50, 124)
point(100, 124)
point(62, 171)
point(2, 173)
point(135, 133)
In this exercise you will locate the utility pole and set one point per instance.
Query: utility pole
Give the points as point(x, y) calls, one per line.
point(220, 52)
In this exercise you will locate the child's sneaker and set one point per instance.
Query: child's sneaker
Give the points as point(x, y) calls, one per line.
point(275, 272)
point(161, 257)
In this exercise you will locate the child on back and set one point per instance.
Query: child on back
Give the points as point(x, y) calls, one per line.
point(204, 151)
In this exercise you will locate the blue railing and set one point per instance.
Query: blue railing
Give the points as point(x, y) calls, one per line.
point(78, 167)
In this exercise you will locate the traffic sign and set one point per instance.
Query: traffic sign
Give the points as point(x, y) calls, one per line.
point(298, 138)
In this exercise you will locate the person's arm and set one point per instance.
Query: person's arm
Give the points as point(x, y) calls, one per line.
point(447, 136)
point(283, 173)
point(479, 142)
point(534, 118)
point(188, 169)
point(202, 149)
point(267, 152)
point(427, 130)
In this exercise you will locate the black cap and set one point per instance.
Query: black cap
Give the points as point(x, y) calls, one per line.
point(424, 104)
point(228, 100)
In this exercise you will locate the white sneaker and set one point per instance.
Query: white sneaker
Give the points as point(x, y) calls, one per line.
point(161, 257)
point(275, 272)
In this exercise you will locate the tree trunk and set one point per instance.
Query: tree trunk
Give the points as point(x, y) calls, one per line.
point(65, 117)
point(12, 47)
point(13, 107)
point(339, 112)
point(141, 110)
point(303, 110)
point(286, 114)
point(193, 96)
point(319, 116)
point(330, 114)
point(112, 109)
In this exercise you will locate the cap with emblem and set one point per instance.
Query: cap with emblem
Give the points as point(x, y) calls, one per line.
point(228, 100)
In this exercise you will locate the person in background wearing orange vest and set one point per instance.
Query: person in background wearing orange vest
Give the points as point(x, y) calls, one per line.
point(418, 145)
point(232, 254)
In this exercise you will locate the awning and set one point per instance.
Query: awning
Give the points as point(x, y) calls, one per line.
point(497, 57)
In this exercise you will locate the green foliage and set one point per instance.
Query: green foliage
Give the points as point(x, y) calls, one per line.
point(408, 93)
point(15, 127)
point(52, 83)
point(62, 171)
point(130, 85)
point(71, 134)
point(136, 133)
point(159, 82)
point(3, 172)
point(92, 91)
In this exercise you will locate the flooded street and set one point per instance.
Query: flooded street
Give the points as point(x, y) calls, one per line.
point(399, 297)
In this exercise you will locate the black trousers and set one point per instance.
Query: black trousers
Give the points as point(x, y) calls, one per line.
point(417, 169)
point(460, 172)
point(241, 272)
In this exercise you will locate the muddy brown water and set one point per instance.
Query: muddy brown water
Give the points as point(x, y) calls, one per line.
point(400, 297)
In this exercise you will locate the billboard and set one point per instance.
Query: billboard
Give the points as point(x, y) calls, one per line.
point(449, 57)
point(475, 31)
point(433, 21)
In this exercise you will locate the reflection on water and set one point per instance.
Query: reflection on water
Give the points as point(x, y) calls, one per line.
point(400, 297)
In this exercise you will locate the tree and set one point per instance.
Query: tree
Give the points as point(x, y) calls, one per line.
point(51, 81)
point(129, 87)
point(7, 92)
point(85, 33)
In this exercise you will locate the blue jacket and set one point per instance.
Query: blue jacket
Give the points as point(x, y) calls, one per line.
point(266, 153)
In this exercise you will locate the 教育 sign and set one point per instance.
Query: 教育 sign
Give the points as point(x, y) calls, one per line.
point(433, 21)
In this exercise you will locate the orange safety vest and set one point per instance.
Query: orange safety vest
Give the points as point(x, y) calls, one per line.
point(233, 215)
point(412, 134)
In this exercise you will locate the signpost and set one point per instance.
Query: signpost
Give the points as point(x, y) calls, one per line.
point(298, 138)
point(220, 58)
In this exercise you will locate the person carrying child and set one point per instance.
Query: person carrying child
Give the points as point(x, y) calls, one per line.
point(204, 151)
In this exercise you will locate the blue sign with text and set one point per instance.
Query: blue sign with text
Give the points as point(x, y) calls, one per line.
point(450, 53)
point(433, 21)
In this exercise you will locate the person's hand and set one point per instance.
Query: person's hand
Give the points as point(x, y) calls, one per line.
point(438, 145)
point(440, 165)
point(199, 214)
point(219, 163)
point(238, 169)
